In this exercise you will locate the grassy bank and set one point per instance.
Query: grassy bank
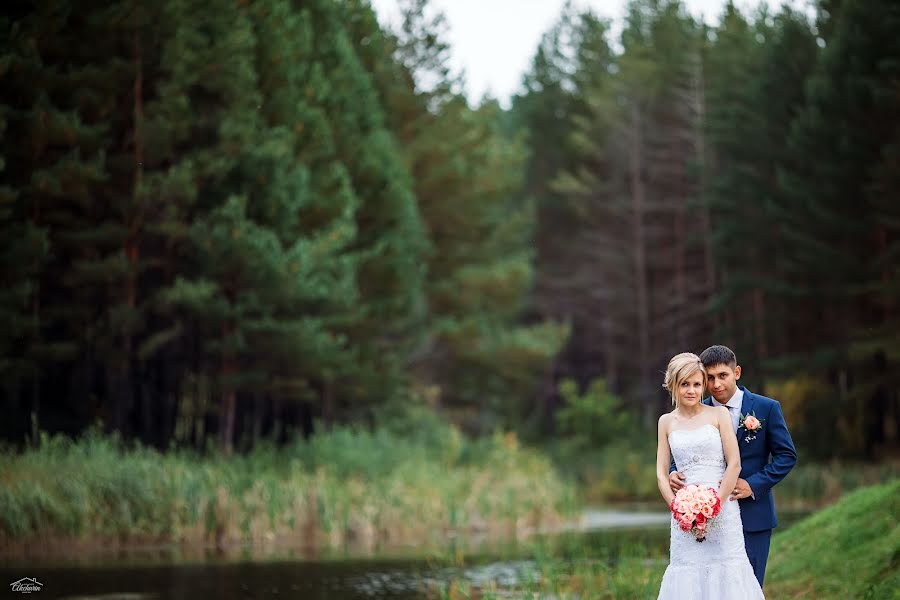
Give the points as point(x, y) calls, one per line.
point(848, 550)
point(339, 487)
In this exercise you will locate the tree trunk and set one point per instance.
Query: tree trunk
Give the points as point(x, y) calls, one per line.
point(35, 412)
point(229, 402)
point(610, 350)
point(759, 317)
point(328, 408)
point(682, 312)
point(640, 263)
point(709, 267)
point(229, 395)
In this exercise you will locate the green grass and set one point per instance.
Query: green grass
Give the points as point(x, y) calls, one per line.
point(343, 486)
point(849, 550)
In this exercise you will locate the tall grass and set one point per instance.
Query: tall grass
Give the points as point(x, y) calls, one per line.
point(348, 485)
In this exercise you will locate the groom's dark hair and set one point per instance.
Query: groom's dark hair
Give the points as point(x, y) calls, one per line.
point(718, 355)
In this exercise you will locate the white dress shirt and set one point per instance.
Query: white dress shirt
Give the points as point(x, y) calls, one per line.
point(734, 407)
point(734, 410)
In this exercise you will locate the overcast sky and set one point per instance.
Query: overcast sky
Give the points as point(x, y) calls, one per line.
point(495, 63)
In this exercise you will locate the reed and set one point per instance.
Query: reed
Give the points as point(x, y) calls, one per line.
point(348, 485)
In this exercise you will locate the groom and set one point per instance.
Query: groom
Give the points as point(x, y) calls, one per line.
point(767, 451)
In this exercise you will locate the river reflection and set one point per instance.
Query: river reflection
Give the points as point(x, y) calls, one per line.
point(397, 573)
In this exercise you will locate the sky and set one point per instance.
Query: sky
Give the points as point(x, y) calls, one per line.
point(495, 64)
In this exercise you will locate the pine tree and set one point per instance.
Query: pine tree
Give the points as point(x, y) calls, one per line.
point(841, 219)
point(633, 182)
point(390, 238)
point(838, 142)
point(22, 254)
point(753, 95)
point(69, 242)
point(466, 175)
point(562, 112)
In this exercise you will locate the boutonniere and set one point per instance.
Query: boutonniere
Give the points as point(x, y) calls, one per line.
point(751, 425)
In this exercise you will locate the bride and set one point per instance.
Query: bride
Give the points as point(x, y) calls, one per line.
point(702, 443)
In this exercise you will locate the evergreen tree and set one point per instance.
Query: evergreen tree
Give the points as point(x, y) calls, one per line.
point(466, 175)
point(55, 179)
point(841, 222)
point(838, 143)
point(753, 94)
point(22, 254)
point(390, 235)
point(633, 183)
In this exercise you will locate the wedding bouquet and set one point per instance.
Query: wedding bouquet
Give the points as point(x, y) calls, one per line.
point(693, 507)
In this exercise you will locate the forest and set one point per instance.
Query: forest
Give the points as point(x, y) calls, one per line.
point(229, 222)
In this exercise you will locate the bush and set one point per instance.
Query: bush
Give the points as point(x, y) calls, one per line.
point(594, 419)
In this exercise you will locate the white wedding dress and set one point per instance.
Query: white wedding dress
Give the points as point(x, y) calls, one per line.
point(717, 568)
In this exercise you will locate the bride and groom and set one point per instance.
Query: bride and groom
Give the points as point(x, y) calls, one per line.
point(737, 443)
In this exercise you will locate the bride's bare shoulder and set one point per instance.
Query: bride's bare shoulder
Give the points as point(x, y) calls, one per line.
point(664, 421)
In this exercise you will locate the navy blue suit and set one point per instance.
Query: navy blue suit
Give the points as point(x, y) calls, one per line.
point(766, 458)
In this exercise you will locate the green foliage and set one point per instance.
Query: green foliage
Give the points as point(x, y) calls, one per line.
point(467, 172)
point(565, 84)
point(251, 218)
point(593, 419)
point(601, 443)
point(259, 197)
point(734, 184)
point(810, 418)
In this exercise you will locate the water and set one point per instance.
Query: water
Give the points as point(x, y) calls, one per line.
point(396, 573)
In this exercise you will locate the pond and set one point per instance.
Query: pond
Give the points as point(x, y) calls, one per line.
point(349, 574)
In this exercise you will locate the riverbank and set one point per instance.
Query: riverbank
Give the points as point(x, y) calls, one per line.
point(345, 486)
point(848, 550)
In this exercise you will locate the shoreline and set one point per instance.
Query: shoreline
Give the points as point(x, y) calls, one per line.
point(59, 550)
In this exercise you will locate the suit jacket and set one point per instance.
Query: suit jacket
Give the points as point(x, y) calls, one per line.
point(767, 456)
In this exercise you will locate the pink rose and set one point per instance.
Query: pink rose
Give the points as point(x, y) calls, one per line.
point(751, 423)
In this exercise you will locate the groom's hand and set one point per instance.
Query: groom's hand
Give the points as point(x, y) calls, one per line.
point(741, 490)
point(676, 481)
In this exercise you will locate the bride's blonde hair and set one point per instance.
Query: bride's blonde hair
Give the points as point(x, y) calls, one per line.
point(680, 368)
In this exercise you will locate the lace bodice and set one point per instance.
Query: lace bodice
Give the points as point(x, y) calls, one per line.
point(698, 454)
